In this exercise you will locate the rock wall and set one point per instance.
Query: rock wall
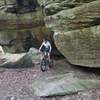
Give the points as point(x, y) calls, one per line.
point(25, 29)
point(76, 28)
point(74, 22)
point(55, 6)
point(81, 47)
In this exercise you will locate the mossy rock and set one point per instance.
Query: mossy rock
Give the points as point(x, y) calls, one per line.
point(60, 85)
point(80, 47)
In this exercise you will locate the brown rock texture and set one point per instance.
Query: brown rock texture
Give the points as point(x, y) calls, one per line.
point(77, 30)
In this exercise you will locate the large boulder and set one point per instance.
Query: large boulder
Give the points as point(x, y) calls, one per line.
point(83, 16)
point(77, 33)
point(80, 47)
point(34, 55)
point(20, 60)
point(54, 6)
point(14, 60)
point(59, 85)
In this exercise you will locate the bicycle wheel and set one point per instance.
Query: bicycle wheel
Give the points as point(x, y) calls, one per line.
point(43, 65)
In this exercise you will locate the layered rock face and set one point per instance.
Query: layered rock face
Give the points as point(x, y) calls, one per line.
point(77, 30)
point(55, 6)
point(81, 47)
point(23, 28)
point(74, 22)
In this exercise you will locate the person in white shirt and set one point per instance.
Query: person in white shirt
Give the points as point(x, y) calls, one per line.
point(46, 47)
point(1, 50)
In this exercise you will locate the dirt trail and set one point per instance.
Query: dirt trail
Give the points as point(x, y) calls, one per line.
point(18, 82)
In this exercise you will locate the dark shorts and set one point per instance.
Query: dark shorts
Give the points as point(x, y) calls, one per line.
point(43, 49)
point(47, 50)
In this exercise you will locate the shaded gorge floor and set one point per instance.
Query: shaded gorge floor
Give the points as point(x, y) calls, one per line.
point(18, 81)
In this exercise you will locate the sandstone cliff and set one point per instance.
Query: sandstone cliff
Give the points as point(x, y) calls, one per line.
point(76, 27)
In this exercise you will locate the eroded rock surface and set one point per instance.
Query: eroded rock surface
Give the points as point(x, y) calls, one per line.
point(20, 31)
point(76, 30)
point(64, 84)
point(81, 47)
point(21, 60)
point(15, 60)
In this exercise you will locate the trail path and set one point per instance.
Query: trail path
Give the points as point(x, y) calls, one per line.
point(18, 82)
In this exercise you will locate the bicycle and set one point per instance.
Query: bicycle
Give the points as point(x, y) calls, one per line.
point(45, 62)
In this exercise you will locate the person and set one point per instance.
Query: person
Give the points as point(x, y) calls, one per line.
point(46, 47)
point(1, 50)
